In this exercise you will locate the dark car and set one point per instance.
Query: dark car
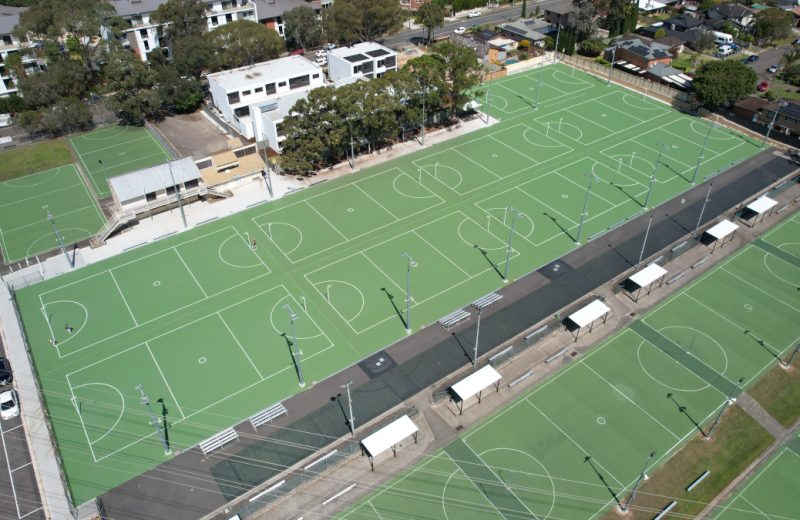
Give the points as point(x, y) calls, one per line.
point(5, 372)
point(752, 58)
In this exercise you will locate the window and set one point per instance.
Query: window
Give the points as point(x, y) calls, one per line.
point(259, 89)
point(282, 84)
point(170, 190)
point(366, 67)
point(380, 63)
point(233, 97)
point(389, 62)
point(214, 21)
point(356, 69)
point(143, 33)
point(150, 197)
point(299, 81)
point(246, 92)
point(146, 45)
point(270, 88)
point(228, 17)
point(242, 111)
point(315, 76)
point(191, 184)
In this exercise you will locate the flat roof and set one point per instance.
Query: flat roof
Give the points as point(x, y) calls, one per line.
point(355, 58)
point(9, 17)
point(130, 7)
point(149, 180)
point(762, 204)
point(589, 313)
point(648, 275)
point(476, 382)
point(264, 72)
point(389, 435)
point(360, 48)
point(723, 229)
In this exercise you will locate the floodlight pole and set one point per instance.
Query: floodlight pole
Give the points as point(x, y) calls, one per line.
point(613, 59)
point(488, 100)
point(728, 402)
point(352, 419)
point(59, 237)
point(642, 476)
point(410, 264)
point(772, 123)
point(555, 48)
point(477, 336)
point(644, 242)
point(538, 84)
point(153, 419)
point(177, 194)
point(510, 236)
point(352, 152)
point(788, 362)
point(653, 177)
point(422, 143)
point(296, 354)
point(703, 151)
point(703, 209)
point(585, 211)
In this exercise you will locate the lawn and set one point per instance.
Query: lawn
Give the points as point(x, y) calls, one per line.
point(28, 159)
point(779, 393)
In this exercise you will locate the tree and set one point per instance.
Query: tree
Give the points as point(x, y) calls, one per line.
point(461, 69)
point(302, 28)
point(350, 21)
point(705, 41)
point(537, 11)
point(791, 74)
point(790, 57)
point(429, 74)
point(183, 26)
point(132, 82)
point(660, 33)
point(12, 104)
point(773, 24)
point(431, 16)
point(724, 82)
point(80, 20)
point(315, 133)
point(581, 19)
point(64, 78)
point(181, 95)
point(66, 115)
point(592, 48)
point(243, 43)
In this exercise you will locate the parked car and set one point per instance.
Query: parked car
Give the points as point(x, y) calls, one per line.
point(320, 53)
point(5, 372)
point(763, 86)
point(752, 58)
point(321, 61)
point(773, 68)
point(473, 14)
point(796, 42)
point(460, 30)
point(9, 404)
point(329, 46)
point(298, 52)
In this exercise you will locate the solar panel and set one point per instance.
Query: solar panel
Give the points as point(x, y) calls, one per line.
point(377, 53)
point(355, 58)
point(515, 30)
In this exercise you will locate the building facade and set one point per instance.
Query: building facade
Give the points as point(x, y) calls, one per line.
point(236, 92)
point(368, 59)
point(10, 45)
point(413, 5)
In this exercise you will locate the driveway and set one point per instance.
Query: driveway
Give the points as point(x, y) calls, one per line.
point(767, 58)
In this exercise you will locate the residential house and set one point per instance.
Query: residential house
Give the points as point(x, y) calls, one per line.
point(741, 17)
point(750, 107)
point(413, 5)
point(238, 93)
point(270, 12)
point(651, 6)
point(368, 59)
point(683, 22)
point(670, 76)
point(788, 118)
point(498, 49)
point(558, 13)
point(640, 53)
point(676, 45)
point(688, 38)
point(531, 29)
point(11, 45)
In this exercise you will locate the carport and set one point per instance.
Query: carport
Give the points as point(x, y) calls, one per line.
point(475, 384)
point(388, 437)
point(722, 233)
point(586, 316)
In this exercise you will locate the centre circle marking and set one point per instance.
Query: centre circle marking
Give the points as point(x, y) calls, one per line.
point(350, 210)
point(202, 360)
point(601, 421)
point(156, 283)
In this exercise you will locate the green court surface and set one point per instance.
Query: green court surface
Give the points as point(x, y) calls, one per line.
point(786, 236)
point(25, 230)
point(564, 450)
point(116, 150)
point(199, 319)
point(772, 493)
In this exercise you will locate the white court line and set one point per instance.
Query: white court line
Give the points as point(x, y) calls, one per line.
point(31, 512)
point(620, 392)
point(164, 378)
point(104, 171)
point(20, 467)
point(476, 163)
point(80, 417)
point(391, 280)
point(5, 248)
point(326, 220)
point(759, 289)
point(39, 195)
point(136, 323)
point(440, 253)
point(109, 147)
point(374, 509)
point(190, 272)
point(546, 205)
point(584, 187)
point(260, 375)
point(370, 197)
point(44, 219)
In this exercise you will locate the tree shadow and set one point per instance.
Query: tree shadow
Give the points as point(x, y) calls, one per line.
point(491, 263)
point(165, 425)
point(396, 309)
point(682, 409)
point(588, 459)
point(559, 226)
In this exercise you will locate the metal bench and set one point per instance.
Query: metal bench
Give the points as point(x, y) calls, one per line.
point(453, 319)
point(267, 415)
point(218, 441)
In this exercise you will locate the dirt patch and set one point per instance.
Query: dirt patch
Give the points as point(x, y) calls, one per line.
point(192, 134)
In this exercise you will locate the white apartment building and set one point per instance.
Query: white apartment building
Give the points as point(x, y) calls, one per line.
point(238, 93)
point(10, 45)
point(368, 59)
point(142, 35)
point(270, 12)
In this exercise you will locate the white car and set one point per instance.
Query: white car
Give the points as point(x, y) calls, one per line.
point(9, 404)
point(321, 53)
point(322, 61)
point(460, 30)
point(473, 14)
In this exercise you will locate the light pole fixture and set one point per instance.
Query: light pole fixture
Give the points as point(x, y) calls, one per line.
point(409, 265)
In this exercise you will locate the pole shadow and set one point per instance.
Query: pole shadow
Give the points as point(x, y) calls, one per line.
point(603, 480)
point(489, 260)
point(165, 425)
point(676, 172)
point(631, 197)
point(763, 345)
point(74, 253)
point(680, 225)
point(682, 409)
point(527, 102)
point(290, 346)
point(338, 399)
point(559, 226)
point(464, 350)
point(396, 309)
point(619, 253)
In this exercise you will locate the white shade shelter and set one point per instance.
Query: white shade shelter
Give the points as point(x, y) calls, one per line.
point(475, 384)
point(722, 232)
point(646, 278)
point(388, 437)
point(588, 314)
point(762, 207)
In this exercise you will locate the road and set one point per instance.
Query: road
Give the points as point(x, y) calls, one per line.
point(766, 59)
point(501, 14)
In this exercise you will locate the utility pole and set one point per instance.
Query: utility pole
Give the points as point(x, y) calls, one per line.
point(154, 420)
point(702, 210)
point(613, 59)
point(703, 151)
point(585, 211)
point(352, 419)
point(729, 401)
point(296, 352)
point(558, 32)
point(781, 103)
point(642, 476)
point(410, 264)
point(59, 237)
point(177, 194)
point(514, 214)
point(644, 242)
point(352, 152)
